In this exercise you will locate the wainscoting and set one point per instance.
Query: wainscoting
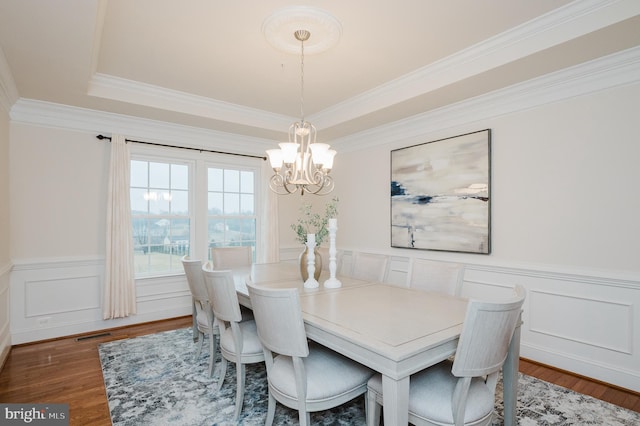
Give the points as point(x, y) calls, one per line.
point(589, 325)
point(584, 324)
point(56, 298)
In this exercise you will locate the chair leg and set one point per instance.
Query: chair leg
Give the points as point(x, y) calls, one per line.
point(240, 377)
point(212, 352)
point(200, 342)
point(304, 418)
point(372, 409)
point(222, 373)
point(271, 410)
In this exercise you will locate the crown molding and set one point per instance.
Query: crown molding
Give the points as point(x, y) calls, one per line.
point(130, 91)
point(573, 20)
point(51, 115)
point(8, 89)
point(614, 70)
point(611, 71)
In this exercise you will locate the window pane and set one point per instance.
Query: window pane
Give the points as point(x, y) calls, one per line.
point(179, 176)
point(231, 181)
point(231, 204)
point(139, 173)
point(160, 203)
point(216, 232)
point(159, 175)
point(246, 182)
point(232, 208)
point(180, 202)
point(139, 203)
point(160, 217)
point(215, 180)
point(215, 203)
point(246, 204)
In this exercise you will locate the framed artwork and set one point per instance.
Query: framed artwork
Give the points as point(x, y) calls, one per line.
point(441, 194)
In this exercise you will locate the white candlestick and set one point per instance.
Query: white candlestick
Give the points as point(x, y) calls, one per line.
point(332, 282)
point(311, 281)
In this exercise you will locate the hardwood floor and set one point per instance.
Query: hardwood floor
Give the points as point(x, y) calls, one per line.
point(68, 371)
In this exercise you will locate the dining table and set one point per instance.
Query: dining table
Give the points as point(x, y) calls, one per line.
point(396, 331)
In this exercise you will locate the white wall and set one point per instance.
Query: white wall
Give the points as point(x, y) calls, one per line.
point(58, 214)
point(565, 209)
point(5, 259)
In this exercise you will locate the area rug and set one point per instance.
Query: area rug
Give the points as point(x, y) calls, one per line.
point(156, 380)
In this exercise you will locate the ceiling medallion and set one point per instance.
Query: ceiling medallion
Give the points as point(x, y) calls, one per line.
point(282, 23)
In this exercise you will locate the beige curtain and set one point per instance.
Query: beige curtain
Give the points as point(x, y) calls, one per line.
point(119, 284)
point(269, 250)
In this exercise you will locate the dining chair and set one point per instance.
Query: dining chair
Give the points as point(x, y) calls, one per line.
point(239, 341)
point(205, 322)
point(369, 266)
point(433, 275)
point(462, 391)
point(231, 257)
point(301, 375)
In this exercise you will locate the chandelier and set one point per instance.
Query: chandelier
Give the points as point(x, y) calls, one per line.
point(302, 163)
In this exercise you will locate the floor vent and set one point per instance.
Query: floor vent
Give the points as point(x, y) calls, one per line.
point(91, 336)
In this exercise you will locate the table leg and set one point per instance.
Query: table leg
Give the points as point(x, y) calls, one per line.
point(510, 379)
point(396, 400)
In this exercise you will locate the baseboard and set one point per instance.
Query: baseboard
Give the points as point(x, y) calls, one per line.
point(627, 380)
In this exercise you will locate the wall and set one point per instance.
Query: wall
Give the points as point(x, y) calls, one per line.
point(565, 211)
point(58, 200)
point(5, 259)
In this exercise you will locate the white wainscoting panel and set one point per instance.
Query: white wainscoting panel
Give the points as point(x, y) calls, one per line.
point(63, 297)
point(586, 324)
point(51, 296)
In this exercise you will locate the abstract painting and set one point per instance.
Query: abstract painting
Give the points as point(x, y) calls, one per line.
point(440, 194)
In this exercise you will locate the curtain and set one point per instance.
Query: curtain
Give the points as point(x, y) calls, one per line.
point(269, 250)
point(119, 284)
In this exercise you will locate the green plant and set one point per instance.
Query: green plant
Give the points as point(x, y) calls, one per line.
point(314, 223)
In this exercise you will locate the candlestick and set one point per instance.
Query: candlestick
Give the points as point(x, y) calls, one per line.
point(311, 282)
point(332, 281)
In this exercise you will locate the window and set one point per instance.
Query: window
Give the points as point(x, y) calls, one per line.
point(231, 207)
point(160, 215)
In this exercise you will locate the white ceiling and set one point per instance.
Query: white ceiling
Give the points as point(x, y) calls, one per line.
point(206, 63)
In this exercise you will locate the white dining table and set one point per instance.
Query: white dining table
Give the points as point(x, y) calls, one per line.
point(396, 331)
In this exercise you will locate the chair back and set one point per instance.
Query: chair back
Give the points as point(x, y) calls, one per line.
point(195, 279)
point(433, 275)
point(486, 335)
point(223, 297)
point(279, 321)
point(369, 266)
point(231, 257)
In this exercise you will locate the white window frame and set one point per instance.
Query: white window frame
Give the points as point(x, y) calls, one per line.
point(199, 163)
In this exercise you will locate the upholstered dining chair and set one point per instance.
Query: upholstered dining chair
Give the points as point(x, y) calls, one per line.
point(205, 322)
point(239, 341)
point(433, 275)
point(462, 391)
point(369, 266)
point(231, 257)
point(301, 375)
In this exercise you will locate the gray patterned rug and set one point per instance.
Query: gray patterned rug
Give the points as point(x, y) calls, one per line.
point(154, 380)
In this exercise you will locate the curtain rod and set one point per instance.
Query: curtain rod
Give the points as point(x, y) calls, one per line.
point(101, 137)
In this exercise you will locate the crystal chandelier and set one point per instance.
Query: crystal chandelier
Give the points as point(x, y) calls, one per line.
point(302, 163)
